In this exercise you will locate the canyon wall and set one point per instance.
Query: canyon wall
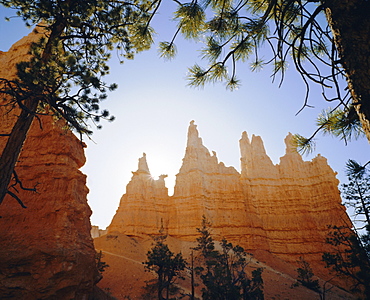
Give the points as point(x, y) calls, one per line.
point(46, 251)
point(283, 209)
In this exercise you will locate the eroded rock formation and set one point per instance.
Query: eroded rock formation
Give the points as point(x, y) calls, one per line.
point(145, 204)
point(283, 209)
point(46, 251)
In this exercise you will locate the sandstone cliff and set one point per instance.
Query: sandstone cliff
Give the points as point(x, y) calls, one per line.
point(46, 251)
point(283, 209)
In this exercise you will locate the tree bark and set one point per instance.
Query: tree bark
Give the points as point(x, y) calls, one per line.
point(14, 145)
point(350, 23)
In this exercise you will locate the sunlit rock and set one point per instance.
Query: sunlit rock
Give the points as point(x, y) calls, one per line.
point(46, 251)
point(144, 207)
point(283, 209)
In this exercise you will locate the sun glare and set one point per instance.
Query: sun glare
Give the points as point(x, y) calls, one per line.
point(159, 164)
point(154, 177)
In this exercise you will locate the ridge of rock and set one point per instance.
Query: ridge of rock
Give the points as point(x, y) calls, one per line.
point(46, 249)
point(284, 209)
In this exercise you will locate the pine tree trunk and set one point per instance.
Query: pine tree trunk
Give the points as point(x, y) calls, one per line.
point(192, 297)
point(350, 23)
point(14, 145)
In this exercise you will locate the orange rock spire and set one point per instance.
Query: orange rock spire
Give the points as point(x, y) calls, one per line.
point(144, 206)
point(283, 209)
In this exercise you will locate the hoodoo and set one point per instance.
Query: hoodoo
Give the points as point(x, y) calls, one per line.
point(284, 209)
point(144, 206)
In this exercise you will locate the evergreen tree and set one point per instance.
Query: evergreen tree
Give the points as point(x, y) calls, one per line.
point(223, 273)
point(325, 40)
point(338, 122)
point(306, 278)
point(352, 255)
point(65, 75)
point(356, 192)
point(350, 258)
point(166, 264)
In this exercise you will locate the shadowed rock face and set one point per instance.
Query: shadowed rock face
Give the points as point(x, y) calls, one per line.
point(46, 251)
point(284, 209)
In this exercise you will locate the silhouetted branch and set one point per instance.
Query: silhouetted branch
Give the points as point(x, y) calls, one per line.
point(17, 198)
point(19, 182)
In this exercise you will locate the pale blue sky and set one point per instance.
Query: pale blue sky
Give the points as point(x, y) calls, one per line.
point(153, 108)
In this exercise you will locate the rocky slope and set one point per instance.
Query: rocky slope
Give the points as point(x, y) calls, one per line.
point(125, 277)
point(46, 251)
point(281, 209)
